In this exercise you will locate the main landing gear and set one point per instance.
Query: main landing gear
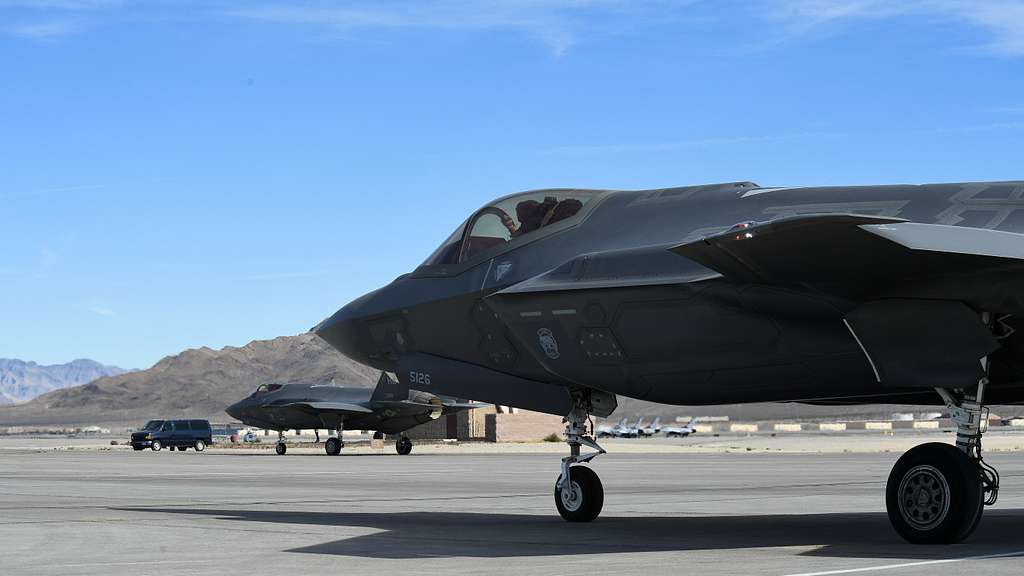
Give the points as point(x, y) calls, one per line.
point(936, 493)
point(579, 495)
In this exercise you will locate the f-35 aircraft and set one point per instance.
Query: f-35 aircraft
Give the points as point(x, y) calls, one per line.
point(560, 300)
point(389, 408)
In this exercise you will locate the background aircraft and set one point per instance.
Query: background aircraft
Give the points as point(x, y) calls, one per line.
point(679, 431)
point(650, 429)
point(390, 408)
point(559, 300)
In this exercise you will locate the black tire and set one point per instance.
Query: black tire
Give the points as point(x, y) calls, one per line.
point(281, 448)
point(934, 495)
point(182, 448)
point(403, 446)
point(332, 446)
point(156, 446)
point(200, 445)
point(586, 498)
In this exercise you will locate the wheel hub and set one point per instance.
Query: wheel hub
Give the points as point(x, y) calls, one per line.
point(572, 497)
point(924, 497)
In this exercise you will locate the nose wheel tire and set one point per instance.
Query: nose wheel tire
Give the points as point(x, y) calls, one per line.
point(582, 499)
point(281, 448)
point(934, 495)
point(156, 446)
point(403, 446)
point(332, 446)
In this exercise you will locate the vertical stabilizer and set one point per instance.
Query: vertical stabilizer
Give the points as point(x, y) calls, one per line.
point(388, 389)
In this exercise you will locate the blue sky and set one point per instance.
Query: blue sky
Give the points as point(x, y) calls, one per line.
point(178, 174)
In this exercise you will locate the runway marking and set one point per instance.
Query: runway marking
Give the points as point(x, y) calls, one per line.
point(911, 564)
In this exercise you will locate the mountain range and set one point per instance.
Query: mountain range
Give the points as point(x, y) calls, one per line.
point(21, 381)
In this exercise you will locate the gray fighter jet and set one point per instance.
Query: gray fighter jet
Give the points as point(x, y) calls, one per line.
point(560, 300)
point(390, 408)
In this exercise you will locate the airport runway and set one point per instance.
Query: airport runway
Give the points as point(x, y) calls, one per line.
point(245, 512)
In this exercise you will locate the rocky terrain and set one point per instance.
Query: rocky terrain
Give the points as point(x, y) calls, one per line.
point(197, 383)
point(21, 381)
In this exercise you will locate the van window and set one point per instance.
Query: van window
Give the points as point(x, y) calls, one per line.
point(181, 425)
point(199, 424)
point(168, 426)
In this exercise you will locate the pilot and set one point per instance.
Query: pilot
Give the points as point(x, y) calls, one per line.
point(533, 215)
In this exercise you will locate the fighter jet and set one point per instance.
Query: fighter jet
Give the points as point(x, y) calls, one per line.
point(561, 300)
point(679, 431)
point(650, 429)
point(606, 431)
point(390, 408)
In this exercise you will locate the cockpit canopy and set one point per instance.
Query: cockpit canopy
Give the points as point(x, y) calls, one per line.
point(507, 220)
point(266, 389)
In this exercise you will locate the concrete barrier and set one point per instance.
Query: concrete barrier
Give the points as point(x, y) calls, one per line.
point(856, 425)
point(1017, 422)
point(703, 428)
point(878, 425)
point(788, 427)
point(743, 428)
point(927, 425)
point(832, 426)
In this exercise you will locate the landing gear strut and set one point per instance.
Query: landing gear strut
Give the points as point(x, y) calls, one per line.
point(936, 493)
point(579, 495)
point(281, 446)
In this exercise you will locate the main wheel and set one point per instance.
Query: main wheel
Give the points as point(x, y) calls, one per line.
point(281, 448)
point(156, 445)
point(934, 495)
point(200, 445)
point(403, 446)
point(332, 446)
point(583, 501)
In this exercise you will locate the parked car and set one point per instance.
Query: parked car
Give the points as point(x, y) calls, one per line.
point(174, 434)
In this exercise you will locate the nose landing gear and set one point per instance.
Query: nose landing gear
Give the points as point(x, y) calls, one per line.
point(281, 447)
point(579, 495)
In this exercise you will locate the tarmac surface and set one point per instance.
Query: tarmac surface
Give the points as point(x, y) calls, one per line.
point(252, 512)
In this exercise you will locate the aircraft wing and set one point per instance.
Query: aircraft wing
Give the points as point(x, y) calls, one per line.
point(853, 255)
point(339, 407)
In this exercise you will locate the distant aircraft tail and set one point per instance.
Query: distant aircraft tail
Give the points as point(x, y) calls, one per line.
point(388, 389)
point(656, 423)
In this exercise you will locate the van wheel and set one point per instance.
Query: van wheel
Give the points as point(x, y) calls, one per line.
point(156, 445)
point(181, 448)
point(199, 446)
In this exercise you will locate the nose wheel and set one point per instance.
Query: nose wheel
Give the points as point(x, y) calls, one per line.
point(403, 446)
point(281, 447)
point(579, 495)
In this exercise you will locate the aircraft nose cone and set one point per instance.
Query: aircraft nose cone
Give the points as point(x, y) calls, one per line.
point(341, 332)
point(236, 410)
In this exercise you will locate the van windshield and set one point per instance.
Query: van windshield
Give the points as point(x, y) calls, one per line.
point(153, 425)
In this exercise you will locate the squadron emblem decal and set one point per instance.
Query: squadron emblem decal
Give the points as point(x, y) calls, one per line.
point(548, 343)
